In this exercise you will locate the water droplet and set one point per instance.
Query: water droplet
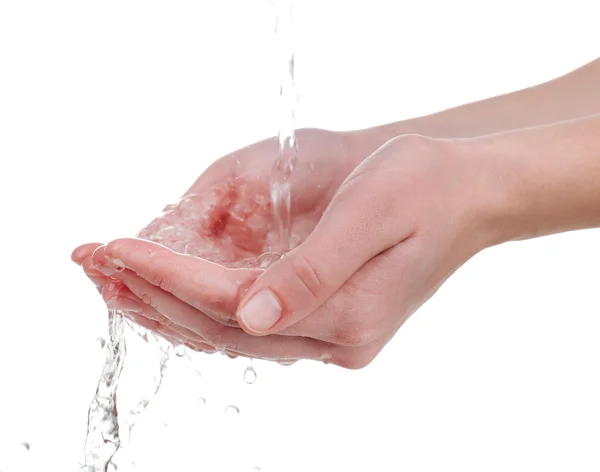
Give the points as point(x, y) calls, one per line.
point(26, 446)
point(267, 259)
point(250, 375)
point(255, 469)
point(232, 411)
point(180, 351)
point(286, 362)
point(101, 341)
point(201, 402)
point(326, 358)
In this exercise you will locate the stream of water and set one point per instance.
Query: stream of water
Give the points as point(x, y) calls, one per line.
point(287, 157)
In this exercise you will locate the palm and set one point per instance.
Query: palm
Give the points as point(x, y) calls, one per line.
point(226, 215)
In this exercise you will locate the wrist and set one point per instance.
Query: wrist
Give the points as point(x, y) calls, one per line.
point(487, 169)
point(538, 181)
point(365, 142)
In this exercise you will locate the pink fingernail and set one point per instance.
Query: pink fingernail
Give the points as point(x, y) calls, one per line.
point(117, 264)
point(110, 266)
point(261, 312)
point(104, 268)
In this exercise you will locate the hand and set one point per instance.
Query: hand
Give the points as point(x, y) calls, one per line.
point(225, 217)
point(402, 222)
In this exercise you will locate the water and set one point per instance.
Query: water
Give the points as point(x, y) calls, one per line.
point(231, 411)
point(142, 404)
point(103, 438)
point(250, 374)
point(287, 157)
point(180, 228)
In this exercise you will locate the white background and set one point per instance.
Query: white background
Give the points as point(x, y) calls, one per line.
point(109, 110)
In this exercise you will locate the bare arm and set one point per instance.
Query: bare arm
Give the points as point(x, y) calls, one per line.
point(548, 177)
point(574, 95)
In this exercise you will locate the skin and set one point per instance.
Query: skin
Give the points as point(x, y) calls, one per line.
point(379, 236)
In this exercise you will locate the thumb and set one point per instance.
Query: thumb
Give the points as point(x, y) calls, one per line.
point(358, 224)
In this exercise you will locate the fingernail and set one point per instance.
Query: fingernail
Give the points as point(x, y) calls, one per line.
point(117, 264)
point(104, 268)
point(109, 266)
point(261, 312)
point(125, 304)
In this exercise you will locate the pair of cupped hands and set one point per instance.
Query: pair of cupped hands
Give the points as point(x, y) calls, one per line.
point(377, 228)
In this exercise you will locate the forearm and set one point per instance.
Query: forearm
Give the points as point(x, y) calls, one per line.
point(541, 181)
point(571, 96)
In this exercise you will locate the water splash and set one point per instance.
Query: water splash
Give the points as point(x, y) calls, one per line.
point(103, 439)
point(166, 350)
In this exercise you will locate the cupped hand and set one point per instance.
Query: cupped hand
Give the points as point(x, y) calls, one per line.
point(400, 224)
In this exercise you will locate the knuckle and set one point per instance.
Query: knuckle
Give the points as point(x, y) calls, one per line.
point(307, 275)
point(354, 334)
point(354, 360)
point(357, 314)
point(144, 296)
point(164, 282)
point(165, 278)
point(353, 328)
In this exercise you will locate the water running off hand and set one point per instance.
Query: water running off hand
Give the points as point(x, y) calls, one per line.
point(104, 440)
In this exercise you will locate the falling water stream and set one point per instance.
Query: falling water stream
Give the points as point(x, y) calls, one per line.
point(108, 430)
point(287, 157)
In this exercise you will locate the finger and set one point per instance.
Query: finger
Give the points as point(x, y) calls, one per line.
point(347, 357)
point(226, 338)
point(209, 287)
point(119, 296)
point(155, 308)
point(126, 301)
point(84, 251)
point(146, 316)
point(358, 224)
point(97, 277)
point(141, 320)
